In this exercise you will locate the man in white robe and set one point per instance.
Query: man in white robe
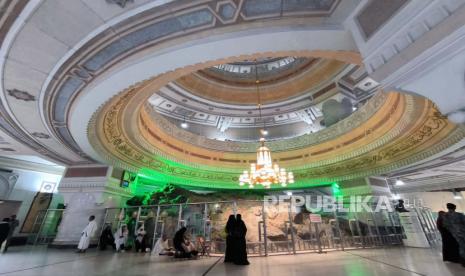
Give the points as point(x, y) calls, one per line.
point(121, 238)
point(87, 235)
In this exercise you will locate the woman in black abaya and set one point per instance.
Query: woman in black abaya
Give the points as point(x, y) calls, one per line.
point(230, 246)
point(450, 247)
point(240, 231)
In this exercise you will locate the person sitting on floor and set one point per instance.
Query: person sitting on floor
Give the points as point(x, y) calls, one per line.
point(140, 241)
point(107, 238)
point(202, 246)
point(184, 248)
point(121, 238)
point(162, 248)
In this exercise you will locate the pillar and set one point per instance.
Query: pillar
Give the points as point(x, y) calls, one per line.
point(87, 191)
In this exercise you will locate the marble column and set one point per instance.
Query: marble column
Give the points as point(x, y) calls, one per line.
point(87, 191)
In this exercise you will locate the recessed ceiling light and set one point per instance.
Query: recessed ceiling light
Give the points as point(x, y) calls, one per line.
point(399, 182)
point(184, 125)
point(264, 132)
point(457, 195)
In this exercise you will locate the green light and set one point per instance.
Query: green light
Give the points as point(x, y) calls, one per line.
point(336, 189)
point(148, 176)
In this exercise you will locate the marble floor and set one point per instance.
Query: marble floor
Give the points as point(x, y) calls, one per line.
point(393, 261)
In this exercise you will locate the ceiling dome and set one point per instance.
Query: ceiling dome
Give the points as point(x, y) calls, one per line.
point(221, 102)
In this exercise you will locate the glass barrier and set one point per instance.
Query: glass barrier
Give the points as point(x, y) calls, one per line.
point(271, 229)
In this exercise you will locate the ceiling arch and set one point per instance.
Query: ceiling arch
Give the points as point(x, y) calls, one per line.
point(123, 135)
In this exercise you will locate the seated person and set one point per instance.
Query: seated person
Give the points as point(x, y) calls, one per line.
point(107, 238)
point(140, 241)
point(202, 246)
point(162, 248)
point(184, 248)
point(121, 238)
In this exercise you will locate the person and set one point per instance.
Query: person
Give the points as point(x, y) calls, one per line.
point(450, 247)
point(4, 230)
point(455, 223)
point(240, 232)
point(132, 231)
point(121, 238)
point(184, 248)
point(140, 242)
point(189, 246)
point(229, 252)
point(87, 233)
point(203, 247)
point(400, 207)
point(149, 226)
point(107, 238)
point(162, 248)
point(13, 222)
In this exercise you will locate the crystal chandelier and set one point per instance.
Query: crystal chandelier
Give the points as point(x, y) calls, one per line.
point(264, 172)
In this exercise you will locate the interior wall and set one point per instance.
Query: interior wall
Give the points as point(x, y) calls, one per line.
point(436, 200)
point(8, 207)
point(27, 186)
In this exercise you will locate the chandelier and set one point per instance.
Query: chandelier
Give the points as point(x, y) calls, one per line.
point(264, 172)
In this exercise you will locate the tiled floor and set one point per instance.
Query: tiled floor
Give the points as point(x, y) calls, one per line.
point(394, 261)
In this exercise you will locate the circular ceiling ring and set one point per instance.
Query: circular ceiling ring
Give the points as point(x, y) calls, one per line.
point(380, 160)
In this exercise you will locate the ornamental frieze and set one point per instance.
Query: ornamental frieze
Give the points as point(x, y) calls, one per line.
point(431, 134)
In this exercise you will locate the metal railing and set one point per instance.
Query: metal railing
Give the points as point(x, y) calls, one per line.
point(268, 232)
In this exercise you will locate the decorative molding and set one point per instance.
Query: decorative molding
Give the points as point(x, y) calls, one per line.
point(121, 3)
point(153, 28)
point(40, 135)
point(21, 95)
point(422, 16)
point(342, 127)
point(427, 134)
point(11, 163)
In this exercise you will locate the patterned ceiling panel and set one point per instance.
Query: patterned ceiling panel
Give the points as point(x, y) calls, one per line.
point(155, 27)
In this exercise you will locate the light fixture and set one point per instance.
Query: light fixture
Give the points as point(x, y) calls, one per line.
point(184, 124)
point(289, 193)
point(264, 172)
point(457, 195)
point(399, 182)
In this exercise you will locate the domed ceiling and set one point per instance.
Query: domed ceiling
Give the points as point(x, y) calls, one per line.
point(110, 83)
point(221, 102)
point(383, 130)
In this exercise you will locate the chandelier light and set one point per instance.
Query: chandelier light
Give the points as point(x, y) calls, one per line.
point(264, 172)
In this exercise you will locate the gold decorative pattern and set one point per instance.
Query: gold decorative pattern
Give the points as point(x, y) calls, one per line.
point(392, 131)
